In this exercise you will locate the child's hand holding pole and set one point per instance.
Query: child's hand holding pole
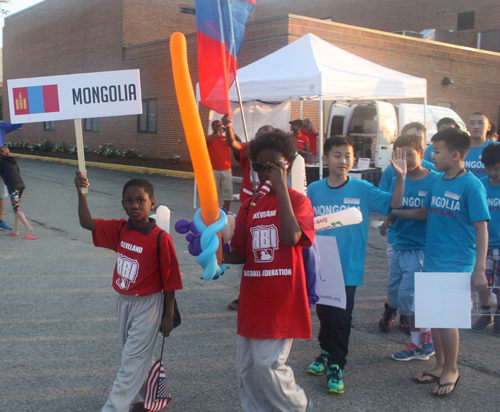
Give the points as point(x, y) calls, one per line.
point(82, 183)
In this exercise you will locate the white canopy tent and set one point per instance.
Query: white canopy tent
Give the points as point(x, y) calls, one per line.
point(313, 69)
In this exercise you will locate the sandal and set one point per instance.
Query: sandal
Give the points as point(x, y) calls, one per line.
point(454, 384)
point(434, 378)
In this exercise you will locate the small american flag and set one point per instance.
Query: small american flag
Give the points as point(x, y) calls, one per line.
point(157, 394)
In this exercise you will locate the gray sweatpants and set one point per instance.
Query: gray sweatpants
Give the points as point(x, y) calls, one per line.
point(139, 320)
point(267, 384)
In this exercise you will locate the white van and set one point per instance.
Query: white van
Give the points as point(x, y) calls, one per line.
point(373, 127)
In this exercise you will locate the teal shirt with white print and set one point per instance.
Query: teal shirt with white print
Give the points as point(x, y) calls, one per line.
point(454, 205)
point(351, 240)
point(493, 199)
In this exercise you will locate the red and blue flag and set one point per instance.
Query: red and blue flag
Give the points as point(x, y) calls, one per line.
point(157, 395)
point(36, 99)
point(220, 26)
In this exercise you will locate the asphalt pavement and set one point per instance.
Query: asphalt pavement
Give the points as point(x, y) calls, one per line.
point(59, 343)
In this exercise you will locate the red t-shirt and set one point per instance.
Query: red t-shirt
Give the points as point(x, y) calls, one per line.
point(246, 190)
point(220, 154)
point(137, 270)
point(273, 297)
point(301, 140)
point(312, 139)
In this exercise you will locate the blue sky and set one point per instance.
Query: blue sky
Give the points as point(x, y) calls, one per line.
point(14, 7)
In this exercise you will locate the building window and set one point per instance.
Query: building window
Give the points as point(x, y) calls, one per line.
point(449, 105)
point(188, 10)
point(146, 122)
point(465, 20)
point(489, 40)
point(49, 126)
point(91, 125)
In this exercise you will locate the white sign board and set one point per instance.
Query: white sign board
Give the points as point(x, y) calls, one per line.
point(330, 285)
point(442, 300)
point(75, 96)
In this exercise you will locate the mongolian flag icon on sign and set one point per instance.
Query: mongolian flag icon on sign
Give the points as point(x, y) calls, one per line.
point(36, 99)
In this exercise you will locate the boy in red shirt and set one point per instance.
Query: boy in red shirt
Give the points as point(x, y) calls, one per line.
point(301, 140)
point(273, 307)
point(146, 277)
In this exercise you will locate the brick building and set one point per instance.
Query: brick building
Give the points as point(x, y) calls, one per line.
point(75, 36)
point(474, 23)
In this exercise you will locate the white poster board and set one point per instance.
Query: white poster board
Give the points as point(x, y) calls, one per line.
point(330, 285)
point(75, 96)
point(442, 300)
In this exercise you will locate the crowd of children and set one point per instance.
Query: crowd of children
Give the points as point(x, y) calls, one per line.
point(435, 217)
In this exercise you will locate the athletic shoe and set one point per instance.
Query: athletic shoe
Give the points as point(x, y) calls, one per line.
point(234, 304)
point(403, 324)
point(411, 352)
point(427, 350)
point(385, 324)
point(318, 367)
point(4, 226)
point(335, 382)
point(496, 324)
point(482, 323)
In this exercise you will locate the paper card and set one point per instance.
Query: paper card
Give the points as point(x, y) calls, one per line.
point(330, 285)
point(442, 300)
point(356, 176)
point(75, 96)
point(363, 163)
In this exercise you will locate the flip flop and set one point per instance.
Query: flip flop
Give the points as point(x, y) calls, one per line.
point(454, 384)
point(29, 237)
point(13, 234)
point(434, 378)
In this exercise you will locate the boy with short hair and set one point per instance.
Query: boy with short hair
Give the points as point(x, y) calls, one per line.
point(491, 160)
point(339, 192)
point(408, 249)
point(387, 320)
point(443, 123)
point(456, 241)
point(146, 277)
point(478, 125)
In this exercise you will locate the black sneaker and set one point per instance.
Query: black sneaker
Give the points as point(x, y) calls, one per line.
point(482, 323)
point(403, 324)
point(496, 324)
point(234, 304)
point(385, 324)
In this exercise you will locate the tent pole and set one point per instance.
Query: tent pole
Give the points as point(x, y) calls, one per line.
point(241, 108)
point(425, 119)
point(300, 117)
point(320, 135)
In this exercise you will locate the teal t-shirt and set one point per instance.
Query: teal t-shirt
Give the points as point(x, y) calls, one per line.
point(454, 205)
point(410, 234)
point(493, 199)
point(351, 240)
point(473, 161)
point(385, 185)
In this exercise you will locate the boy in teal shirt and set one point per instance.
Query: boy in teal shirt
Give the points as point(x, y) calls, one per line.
point(456, 241)
point(408, 249)
point(491, 160)
point(335, 193)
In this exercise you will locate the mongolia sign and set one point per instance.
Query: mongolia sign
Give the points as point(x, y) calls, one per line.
point(75, 96)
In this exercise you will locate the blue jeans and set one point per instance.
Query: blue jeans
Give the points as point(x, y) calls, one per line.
point(404, 264)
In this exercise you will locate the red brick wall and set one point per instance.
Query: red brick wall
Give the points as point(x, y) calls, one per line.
point(392, 15)
point(87, 35)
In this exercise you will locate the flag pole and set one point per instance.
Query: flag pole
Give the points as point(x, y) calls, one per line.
point(80, 151)
point(241, 108)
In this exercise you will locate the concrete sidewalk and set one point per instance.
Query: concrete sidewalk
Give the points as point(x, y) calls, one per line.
point(59, 339)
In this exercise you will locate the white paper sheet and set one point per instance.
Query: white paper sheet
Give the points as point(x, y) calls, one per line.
point(442, 300)
point(331, 288)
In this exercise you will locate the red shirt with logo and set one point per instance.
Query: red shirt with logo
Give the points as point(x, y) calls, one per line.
point(312, 139)
point(246, 191)
point(138, 271)
point(220, 154)
point(273, 300)
point(301, 140)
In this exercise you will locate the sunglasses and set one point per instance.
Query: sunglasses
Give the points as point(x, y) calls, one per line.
point(261, 166)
